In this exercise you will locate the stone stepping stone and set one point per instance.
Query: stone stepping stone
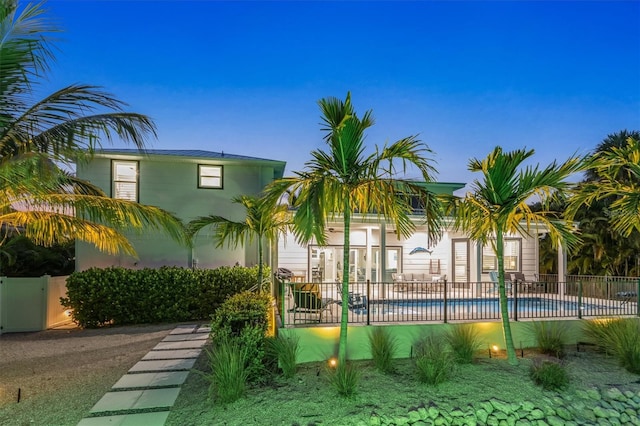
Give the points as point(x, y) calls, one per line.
point(184, 329)
point(204, 329)
point(163, 365)
point(187, 344)
point(175, 354)
point(151, 380)
point(183, 337)
point(136, 400)
point(143, 419)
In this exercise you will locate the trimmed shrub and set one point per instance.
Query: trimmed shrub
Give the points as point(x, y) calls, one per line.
point(619, 337)
point(464, 341)
point(383, 347)
point(550, 375)
point(434, 363)
point(551, 339)
point(120, 296)
point(344, 378)
point(244, 318)
point(284, 349)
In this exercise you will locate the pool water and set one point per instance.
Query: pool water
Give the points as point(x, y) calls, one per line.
point(484, 306)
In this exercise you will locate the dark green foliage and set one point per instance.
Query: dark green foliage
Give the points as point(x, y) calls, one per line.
point(619, 337)
point(285, 350)
point(120, 296)
point(229, 374)
point(344, 378)
point(244, 318)
point(549, 374)
point(20, 257)
point(383, 347)
point(434, 363)
point(551, 338)
point(464, 341)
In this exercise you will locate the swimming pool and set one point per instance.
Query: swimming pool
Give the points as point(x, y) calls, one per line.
point(483, 308)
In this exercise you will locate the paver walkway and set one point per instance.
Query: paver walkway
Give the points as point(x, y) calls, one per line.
point(144, 396)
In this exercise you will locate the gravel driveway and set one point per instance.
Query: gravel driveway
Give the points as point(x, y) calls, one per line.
point(68, 370)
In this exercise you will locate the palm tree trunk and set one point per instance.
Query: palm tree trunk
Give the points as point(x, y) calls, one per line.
point(504, 303)
point(260, 270)
point(344, 319)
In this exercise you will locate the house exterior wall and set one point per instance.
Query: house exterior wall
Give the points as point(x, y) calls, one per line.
point(296, 257)
point(171, 183)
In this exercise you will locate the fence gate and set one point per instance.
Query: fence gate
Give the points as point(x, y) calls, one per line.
point(31, 304)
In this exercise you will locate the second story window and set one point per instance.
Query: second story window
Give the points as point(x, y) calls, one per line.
point(209, 176)
point(125, 180)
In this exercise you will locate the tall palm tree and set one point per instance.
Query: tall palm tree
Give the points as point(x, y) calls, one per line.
point(37, 197)
point(264, 221)
point(344, 180)
point(497, 205)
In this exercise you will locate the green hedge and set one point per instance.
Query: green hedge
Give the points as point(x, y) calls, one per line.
point(244, 317)
point(121, 296)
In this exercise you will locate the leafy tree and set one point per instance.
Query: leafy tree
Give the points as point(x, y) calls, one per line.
point(37, 197)
point(263, 221)
point(497, 205)
point(23, 258)
point(604, 207)
point(344, 180)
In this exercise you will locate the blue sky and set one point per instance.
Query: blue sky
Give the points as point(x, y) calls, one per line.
point(245, 77)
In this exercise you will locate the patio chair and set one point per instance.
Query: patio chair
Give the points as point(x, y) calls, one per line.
point(493, 275)
point(529, 286)
point(307, 300)
point(357, 301)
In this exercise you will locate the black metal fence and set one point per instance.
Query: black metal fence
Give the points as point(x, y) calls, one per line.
point(442, 301)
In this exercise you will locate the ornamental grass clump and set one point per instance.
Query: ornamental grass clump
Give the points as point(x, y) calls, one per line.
point(344, 378)
point(464, 341)
point(619, 337)
point(229, 374)
point(383, 347)
point(434, 363)
point(284, 349)
point(551, 375)
point(550, 338)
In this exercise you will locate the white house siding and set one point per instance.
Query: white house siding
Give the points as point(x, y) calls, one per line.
point(295, 257)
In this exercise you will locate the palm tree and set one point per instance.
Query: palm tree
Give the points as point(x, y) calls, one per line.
point(497, 205)
point(604, 250)
point(617, 171)
point(264, 221)
point(344, 180)
point(37, 197)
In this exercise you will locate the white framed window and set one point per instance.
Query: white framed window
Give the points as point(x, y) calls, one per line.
point(125, 180)
point(512, 256)
point(209, 176)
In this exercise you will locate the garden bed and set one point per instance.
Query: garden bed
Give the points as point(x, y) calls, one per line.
point(489, 385)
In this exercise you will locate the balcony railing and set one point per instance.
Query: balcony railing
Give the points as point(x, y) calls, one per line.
point(425, 302)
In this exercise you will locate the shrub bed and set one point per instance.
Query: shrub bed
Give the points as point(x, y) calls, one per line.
point(120, 296)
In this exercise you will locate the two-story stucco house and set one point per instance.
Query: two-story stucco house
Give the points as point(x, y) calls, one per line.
point(187, 183)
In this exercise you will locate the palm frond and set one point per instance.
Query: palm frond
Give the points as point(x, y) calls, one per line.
point(48, 228)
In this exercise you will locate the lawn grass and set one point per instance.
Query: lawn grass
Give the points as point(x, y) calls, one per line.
point(308, 399)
